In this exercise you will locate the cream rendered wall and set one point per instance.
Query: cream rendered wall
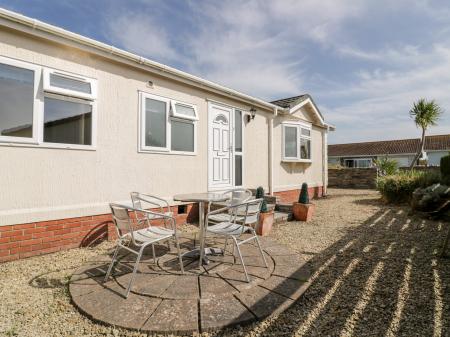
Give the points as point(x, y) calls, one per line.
point(45, 183)
point(288, 175)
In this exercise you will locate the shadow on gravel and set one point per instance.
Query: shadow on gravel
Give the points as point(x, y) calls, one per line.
point(382, 279)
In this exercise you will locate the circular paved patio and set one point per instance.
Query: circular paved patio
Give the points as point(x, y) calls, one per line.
point(215, 296)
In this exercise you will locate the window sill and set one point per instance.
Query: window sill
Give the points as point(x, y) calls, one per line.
point(177, 153)
point(307, 161)
point(50, 146)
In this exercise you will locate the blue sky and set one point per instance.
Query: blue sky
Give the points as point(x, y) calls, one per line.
point(364, 62)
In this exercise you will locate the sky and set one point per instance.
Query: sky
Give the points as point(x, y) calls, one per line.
point(363, 62)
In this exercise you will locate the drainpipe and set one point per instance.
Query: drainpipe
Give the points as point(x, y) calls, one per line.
point(270, 164)
point(325, 161)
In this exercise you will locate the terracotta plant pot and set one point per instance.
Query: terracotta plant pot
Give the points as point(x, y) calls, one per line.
point(265, 223)
point(303, 212)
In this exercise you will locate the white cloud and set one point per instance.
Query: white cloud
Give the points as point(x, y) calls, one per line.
point(141, 34)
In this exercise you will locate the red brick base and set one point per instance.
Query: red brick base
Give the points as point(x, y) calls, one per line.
point(25, 240)
point(292, 195)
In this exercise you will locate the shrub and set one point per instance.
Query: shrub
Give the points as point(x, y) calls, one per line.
point(260, 195)
point(303, 198)
point(445, 169)
point(398, 188)
point(386, 166)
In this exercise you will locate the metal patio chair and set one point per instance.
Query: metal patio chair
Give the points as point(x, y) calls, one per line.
point(148, 201)
point(237, 196)
point(135, 239)
point(233, 229)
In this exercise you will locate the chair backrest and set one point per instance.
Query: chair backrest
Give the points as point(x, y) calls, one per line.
point(122, 220)
point(239, 195)
point(147, 201)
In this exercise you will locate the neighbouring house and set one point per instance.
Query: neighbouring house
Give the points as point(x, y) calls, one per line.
point(83, 123)
point(403, 151)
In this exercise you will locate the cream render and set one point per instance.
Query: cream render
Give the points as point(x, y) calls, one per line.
point(41, 182)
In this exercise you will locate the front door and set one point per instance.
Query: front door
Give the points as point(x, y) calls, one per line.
point(219, 147)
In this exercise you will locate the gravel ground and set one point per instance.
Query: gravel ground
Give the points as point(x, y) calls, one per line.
point(376, 273)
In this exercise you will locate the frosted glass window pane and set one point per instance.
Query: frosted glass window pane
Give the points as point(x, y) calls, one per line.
point(238, 130)
point(70, 84)
point(306, 132)
point(182, 136)
point(290, 142)
point(155, 123)
point(185, 110)
point(238, 170)
point(16, 101)
point(67, 122)
point(305, 149)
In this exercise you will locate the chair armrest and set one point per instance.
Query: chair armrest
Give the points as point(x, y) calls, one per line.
point(165, 216)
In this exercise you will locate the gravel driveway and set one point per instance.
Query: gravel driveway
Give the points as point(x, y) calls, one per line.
point(376, 274)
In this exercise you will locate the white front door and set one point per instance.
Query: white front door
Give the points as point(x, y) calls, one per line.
point(219, 147)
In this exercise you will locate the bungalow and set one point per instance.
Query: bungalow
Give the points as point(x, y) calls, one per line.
point(402, 151)
point(83, 123)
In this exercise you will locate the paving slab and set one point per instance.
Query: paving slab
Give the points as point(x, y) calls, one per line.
point(302, 273)
point(174, 316)
point(263, 302)
point(214, 286)
point(284, 286)
point(219, 312)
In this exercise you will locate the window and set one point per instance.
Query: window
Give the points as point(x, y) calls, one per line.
point(296, 142)
point(68, 108)
point(60, 113)
point(69, 84)
point(238, 169)
point(167, 125)
point(67, 121)
point(185, 111)
point(18, 101)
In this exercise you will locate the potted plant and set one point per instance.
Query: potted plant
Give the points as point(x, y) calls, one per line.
point(303, 210)
point(264, 225)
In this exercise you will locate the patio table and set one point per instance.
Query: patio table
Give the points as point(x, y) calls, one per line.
point(202, 199)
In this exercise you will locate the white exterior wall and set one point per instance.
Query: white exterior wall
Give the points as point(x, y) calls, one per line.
point(434, 157)
point(46, 183)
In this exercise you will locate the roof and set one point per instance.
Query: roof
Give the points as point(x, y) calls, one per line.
point(290, 102)
point(44, 30)
point(401, 146)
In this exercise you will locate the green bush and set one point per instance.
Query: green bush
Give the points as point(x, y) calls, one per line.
point(303, 197)
point(398, 188)
point(386, 166)
point(445, 169)
point(260, 195)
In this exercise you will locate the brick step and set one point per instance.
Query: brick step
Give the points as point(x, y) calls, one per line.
point(280, 217)
point(284, 207)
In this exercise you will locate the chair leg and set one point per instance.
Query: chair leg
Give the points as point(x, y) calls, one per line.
point(134, 271)
point(116, 251)
point(225, 247)
point(180, 259)
point(241, 259)
point(154, 254)
point(261, 251)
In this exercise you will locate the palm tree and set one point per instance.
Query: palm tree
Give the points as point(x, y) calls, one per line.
point(425, 114)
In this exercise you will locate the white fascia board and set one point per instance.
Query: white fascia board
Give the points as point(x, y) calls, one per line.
point(35, 27)
point(303, 103)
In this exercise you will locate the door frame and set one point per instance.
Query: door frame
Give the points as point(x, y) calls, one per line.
point(212, 103)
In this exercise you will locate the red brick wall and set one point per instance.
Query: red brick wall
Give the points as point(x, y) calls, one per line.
point(292, 195)
point(25, 240)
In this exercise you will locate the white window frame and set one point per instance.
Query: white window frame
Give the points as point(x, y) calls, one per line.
point(175, 114)
point(38, 107)
point(93, 144)
point(235, 152)
point(299, 126)
point(36, 102)
point(67, 92)
point(169, 117)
